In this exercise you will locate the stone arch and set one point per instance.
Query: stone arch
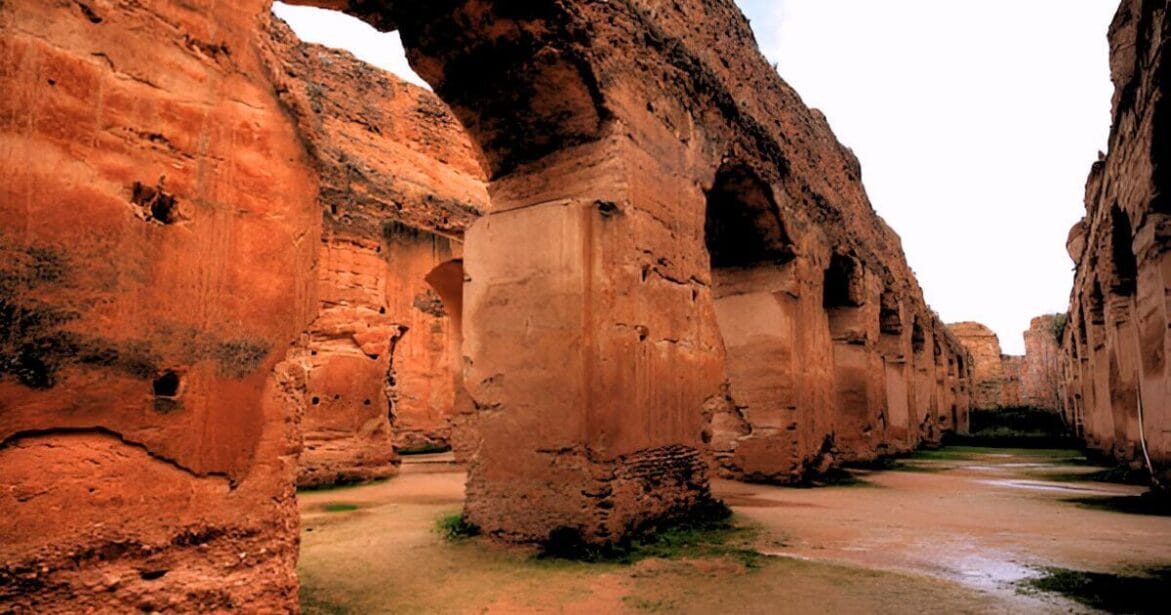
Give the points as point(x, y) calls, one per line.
point(447, 280)
point(753, 286)
point(467, 50)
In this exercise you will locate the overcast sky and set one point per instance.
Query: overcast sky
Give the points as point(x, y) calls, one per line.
point(975, 122)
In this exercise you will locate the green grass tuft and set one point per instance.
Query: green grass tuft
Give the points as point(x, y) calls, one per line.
point(339, 507)
point(455, 528)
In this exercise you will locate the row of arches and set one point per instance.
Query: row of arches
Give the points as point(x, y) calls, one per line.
point(815, 346)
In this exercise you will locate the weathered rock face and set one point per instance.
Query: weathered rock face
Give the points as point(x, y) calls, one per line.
point(158, 232)
point(400, 181)
point(1117, 387)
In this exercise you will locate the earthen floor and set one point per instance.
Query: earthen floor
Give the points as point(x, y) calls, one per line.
point(957, 531)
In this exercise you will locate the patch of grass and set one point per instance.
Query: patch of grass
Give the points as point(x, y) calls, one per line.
point(706, 533)
point(455, 528)
point(1148, 591)
point(969, 453)
point(340, 486)
point(339, 507)
point(427, 449)
point(1157, 505)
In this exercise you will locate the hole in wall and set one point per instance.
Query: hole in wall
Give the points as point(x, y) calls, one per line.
point(167, 384)
point(1125, 282)
point(155, 203)
point(843, 283)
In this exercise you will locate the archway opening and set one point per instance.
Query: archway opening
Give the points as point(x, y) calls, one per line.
point(754, 288)
point(447, 280)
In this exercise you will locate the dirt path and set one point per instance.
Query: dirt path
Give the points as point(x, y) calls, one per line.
point(955, 531)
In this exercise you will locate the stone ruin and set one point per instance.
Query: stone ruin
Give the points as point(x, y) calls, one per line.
point(1001, 381)
point(233, 262)
point(1116, 379)
point(400, 183)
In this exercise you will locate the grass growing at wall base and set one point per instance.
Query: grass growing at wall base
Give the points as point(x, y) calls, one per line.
point(1147, 591)
point(706, 532)
point(455, 528)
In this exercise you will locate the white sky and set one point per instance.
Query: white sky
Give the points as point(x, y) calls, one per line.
point(975, 122)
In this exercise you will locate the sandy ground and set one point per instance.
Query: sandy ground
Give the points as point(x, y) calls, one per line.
point(956, 536)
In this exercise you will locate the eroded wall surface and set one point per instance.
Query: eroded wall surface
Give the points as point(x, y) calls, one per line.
point(400, 182)
point(1116, 382)
point(158, 233)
